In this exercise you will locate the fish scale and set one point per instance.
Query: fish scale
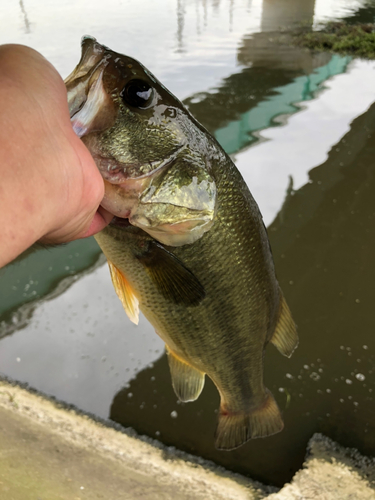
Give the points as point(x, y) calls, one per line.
point(188, 246)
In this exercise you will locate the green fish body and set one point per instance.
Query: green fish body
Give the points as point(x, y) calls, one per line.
point(187, 246)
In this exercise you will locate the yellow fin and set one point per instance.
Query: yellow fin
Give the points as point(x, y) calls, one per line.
point(285, 336)
point(187, 381)
point(235, 429)
point(125, 293)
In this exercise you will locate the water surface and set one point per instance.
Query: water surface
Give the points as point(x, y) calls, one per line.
point(300, 127)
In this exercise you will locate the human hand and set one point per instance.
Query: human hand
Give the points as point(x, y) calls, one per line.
point(50, 186)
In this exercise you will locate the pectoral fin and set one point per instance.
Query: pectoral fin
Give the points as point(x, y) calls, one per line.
point(285, 337)
point(125, 293)
point(187, 381)
point(174, 281)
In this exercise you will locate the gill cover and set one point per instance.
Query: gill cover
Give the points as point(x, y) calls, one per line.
point(178, 207)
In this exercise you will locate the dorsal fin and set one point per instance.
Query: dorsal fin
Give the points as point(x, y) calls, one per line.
point(125, 293)
point(187, 381)
point(285, 336)
point(172, 278)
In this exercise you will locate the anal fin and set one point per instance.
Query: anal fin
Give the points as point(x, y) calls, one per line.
point(187, 381)
point(285, 336)
point(125, 293)
point(236, 428)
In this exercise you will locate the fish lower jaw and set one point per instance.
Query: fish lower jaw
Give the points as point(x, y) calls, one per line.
point(116, 209)
point(120, 199)
point(117, 172)
point(176, 234)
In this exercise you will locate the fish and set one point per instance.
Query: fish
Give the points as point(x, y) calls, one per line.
point(187, 245)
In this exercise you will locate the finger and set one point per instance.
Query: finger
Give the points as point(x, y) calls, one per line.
point(101, 219)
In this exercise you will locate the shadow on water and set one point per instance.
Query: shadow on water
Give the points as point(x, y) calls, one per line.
point(323, 242)
point(365, 14)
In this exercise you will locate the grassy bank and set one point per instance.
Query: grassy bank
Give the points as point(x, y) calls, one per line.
point(357, 40)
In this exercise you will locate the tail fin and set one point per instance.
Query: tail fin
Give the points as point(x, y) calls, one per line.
point(234, 429)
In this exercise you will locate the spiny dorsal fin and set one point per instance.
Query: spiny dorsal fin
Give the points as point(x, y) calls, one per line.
point(285, 336)
point(174, 281)
point(187, 381)
point(125, 293)
point(236, 428)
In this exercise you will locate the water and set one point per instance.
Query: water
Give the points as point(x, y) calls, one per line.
point(300, 127)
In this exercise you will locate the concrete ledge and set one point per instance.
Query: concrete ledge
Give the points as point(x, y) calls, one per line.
point(331, 472)
point(49, 452)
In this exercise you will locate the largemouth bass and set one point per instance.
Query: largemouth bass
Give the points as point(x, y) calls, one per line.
point(188, 246)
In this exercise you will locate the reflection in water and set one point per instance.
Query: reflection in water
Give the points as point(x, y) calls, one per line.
point(277, 51)
point(291, 151)
point(284, 100)
point(365, 14)
point(277, 77)
point(180, 24)
point(333, 10)
point(202, 18)
point(323, 243)
point(35, 274)
point(80, 346)
point(281, 14)
point(25, 18)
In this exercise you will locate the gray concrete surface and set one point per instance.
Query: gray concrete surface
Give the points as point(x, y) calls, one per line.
point(331, 472)
point(48, 452)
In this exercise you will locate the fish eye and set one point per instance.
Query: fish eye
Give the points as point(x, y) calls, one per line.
point(137, 93)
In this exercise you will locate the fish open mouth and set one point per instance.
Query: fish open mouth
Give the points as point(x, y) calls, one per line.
point(116, 172)
point(90, 106)
point(120, 222)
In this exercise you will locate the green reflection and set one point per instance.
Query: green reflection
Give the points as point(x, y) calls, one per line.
point(35, 274)
point(238, 133)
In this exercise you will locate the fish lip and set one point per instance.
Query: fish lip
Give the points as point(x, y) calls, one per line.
point(114, 171)
point(119, 173)
point(89, 69)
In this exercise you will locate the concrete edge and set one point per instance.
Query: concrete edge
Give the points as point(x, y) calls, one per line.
point(166, 464)
point(331, 472)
